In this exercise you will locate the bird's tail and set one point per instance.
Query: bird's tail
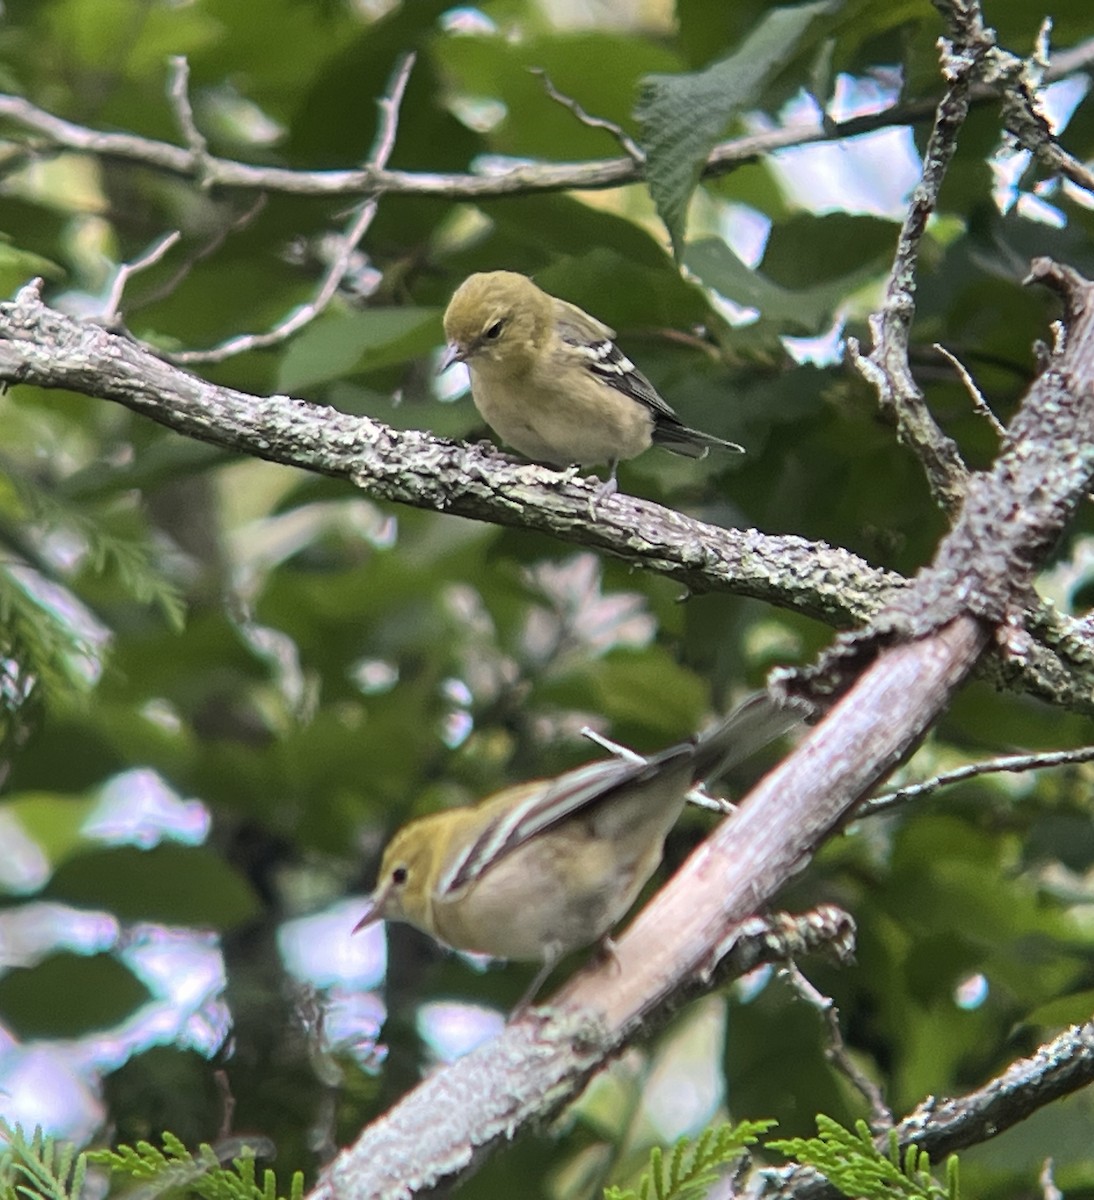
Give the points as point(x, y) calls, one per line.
point(692, 443)
point(748, 728)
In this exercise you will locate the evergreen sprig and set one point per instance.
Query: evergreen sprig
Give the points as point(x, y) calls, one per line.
point(175, 1172)
point(851, 1162)
point(39, 1167)
point(45, 1168)
point(694, 1163)
point(130, 555)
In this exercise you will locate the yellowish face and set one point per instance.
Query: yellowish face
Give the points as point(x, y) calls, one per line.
point(497, 318)
point(404, 883)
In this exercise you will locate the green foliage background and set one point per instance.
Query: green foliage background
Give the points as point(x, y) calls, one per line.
point(231, 608)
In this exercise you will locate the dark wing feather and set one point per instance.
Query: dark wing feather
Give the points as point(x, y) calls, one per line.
point(603, 358)
point(572, 793)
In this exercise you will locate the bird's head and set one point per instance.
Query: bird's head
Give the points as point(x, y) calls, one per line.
point(498, 321)
point(404, 885)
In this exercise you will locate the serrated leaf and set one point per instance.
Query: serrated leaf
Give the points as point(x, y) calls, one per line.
point(683, 116)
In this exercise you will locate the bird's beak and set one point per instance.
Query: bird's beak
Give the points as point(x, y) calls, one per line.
point(453, 353)
point(375, 910)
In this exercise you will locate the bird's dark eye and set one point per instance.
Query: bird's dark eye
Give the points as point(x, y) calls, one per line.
point(494, 331)
point(399, 875)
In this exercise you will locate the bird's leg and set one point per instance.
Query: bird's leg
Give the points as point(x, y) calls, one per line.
point(552, 953)
point(607, 953)
point(608, 488)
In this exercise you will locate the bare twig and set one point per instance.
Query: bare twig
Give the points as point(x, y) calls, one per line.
point(887, 367)
point(202, 252)
point(613, 747)
point(881, 1117)
point(178, 93)
point(1024, 117)
point(630, 147)
point(1047, 1180)
point(126, 271)
point(979, 404)
point(1014, 763)
point(389, 105)
point(55, 133)
point(698, 795)
point(347, 243)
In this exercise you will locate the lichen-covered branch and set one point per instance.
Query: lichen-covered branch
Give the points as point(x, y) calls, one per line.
point(906, 667)
point(45, 348)
point(887, 367)
point(1056, 1069)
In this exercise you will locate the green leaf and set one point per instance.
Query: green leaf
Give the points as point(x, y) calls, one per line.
point(17, 266)
point(176, 885)
point(808, 310)
point(68, 995)
point(683, 116)
point(52, 820)
point(342, 343)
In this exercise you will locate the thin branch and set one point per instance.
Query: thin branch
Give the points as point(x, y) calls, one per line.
point(630, 147)
point(941, 1127)
point(41, 346)
point(979, 404)
point(1014, 763)
point(389, 104)
point(125, 272)
point(1056, 1069)
point(887, 368)
point(347, 243)
point(202, 252)
point(1024, 116)
point(178, 94)
point(1047, 1180)
point(698, 795)
point(881, 1117)
point(55, 133)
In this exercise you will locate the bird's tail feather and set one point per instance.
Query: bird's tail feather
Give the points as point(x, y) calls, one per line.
point(692, 443)
point(748, 728)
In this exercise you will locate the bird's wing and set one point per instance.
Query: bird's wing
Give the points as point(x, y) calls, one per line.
point(516, 818)
point(604, 359)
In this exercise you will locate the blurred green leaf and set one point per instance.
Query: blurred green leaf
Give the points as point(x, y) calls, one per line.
point(683, 116)
point(806, 310)
point(68, 996)
point(54, 822)
point(18, 266)
point(173, 885)
point(341, 343)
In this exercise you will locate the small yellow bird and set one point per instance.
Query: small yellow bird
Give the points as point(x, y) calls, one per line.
point(549, 379)
point(546, 867)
